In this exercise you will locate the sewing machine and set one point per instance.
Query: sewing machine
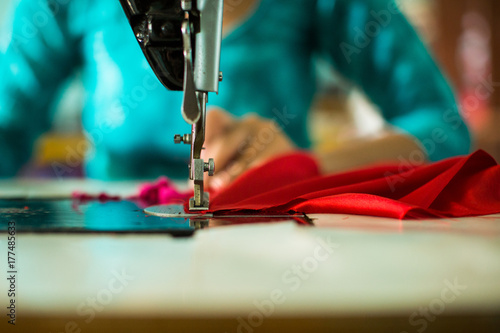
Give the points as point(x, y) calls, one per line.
point(181, 40)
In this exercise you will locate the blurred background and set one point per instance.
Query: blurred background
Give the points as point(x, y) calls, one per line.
point(463, 35)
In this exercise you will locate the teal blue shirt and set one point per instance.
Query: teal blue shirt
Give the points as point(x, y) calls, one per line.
point(268, 69)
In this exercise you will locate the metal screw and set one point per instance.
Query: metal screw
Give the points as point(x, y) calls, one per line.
point(210, 167)
point(221, 76)
point(186, 139)
point(139, 34)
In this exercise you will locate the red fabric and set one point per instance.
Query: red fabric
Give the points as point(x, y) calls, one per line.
point(457, 187)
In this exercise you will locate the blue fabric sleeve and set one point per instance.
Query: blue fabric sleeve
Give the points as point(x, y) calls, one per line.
point(372, 44)
point(41, 53)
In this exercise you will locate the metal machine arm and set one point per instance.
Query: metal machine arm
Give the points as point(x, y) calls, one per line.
point(181, 40)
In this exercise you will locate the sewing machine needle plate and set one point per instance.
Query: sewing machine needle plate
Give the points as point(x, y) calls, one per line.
point(176, 211)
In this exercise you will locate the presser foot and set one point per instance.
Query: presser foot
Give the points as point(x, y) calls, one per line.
point(204, 205)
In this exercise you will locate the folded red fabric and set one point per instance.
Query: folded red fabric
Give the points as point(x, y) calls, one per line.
point(456, 187)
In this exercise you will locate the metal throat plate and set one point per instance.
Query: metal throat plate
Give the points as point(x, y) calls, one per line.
point(210, 219)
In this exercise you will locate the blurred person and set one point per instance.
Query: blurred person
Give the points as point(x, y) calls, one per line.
point(268, 53)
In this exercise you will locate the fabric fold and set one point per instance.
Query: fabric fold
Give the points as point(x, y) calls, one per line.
point(456, 187)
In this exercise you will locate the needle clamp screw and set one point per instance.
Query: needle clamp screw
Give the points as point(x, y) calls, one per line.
point(186, 139)
point(210, 167)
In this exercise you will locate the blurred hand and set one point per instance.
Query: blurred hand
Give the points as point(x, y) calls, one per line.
point(237, 145)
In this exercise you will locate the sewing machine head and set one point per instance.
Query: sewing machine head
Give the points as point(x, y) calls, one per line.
point(181, 40)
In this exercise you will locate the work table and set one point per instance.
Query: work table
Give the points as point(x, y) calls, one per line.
point(352, 272)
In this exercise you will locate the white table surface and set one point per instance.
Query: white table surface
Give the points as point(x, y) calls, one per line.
point(376, 266)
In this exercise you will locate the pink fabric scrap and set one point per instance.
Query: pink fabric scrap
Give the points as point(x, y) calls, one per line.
point(101, 197)
point(162, 191)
